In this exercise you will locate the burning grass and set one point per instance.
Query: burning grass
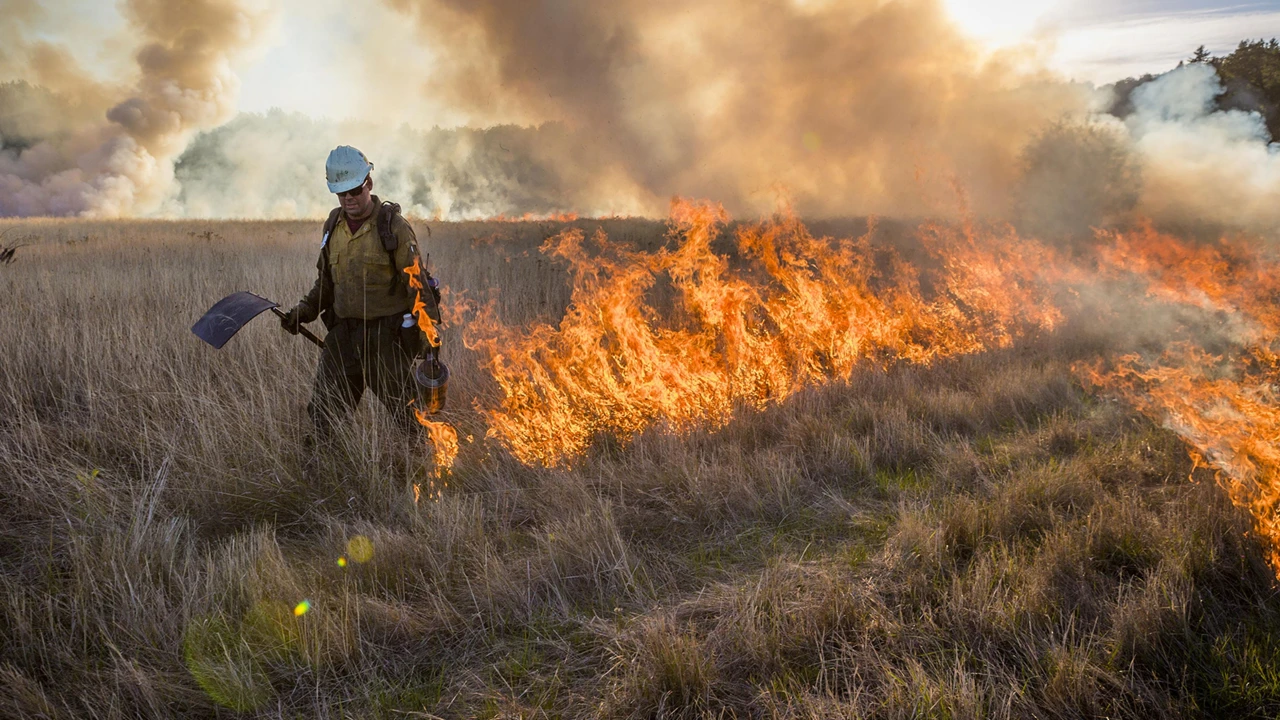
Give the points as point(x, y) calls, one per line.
point(966, 533)
point(1217, 390)
point(801, 311)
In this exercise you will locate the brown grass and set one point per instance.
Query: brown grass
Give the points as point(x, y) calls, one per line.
point(976, 539)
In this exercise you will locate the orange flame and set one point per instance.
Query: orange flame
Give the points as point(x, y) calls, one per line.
point(443, 437)
point(763, 311)
point(802, 310)
point(444, 440)
point(1226, 406)
point(420, 308)
point(784, 310)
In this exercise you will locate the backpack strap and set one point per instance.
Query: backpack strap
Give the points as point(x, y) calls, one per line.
point(386, 214)
point(326, 315)
point(329, 225)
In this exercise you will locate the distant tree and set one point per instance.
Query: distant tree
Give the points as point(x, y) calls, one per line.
point(1122, 91)
point(1250, 78)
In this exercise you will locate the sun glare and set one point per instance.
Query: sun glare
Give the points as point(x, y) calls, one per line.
point(1000, 22)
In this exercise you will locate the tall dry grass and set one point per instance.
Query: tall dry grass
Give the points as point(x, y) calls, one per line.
point(976, 539)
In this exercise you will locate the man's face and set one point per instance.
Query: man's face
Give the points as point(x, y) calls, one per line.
point(356, 203)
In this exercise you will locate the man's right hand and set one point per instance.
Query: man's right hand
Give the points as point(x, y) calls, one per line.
point(292, 320)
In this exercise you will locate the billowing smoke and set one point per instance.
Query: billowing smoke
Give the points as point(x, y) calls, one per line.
point(83, 145)
point(846, 106)
point(272, 166)
point(852, 105)
point(1201, 164)
point(1176, 156)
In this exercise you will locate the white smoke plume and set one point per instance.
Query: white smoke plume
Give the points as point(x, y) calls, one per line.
point(1200, 165)
point(272, 166)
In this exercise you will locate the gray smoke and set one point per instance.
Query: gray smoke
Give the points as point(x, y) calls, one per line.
point(849, 106)
point(85, 146)
point(272, 166)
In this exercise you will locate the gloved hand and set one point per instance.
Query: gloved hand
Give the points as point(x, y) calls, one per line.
point(290, 321)
point(297, 315)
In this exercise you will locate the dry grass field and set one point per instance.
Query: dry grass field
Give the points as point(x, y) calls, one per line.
point(979, 537)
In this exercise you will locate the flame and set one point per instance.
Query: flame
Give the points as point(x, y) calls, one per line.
point(420, 308)
point(442, 436)
point(444, 440)
point(1231, 275)
point(801, 310)
point(766, 309)
point(1225, 405)
point(534, 217)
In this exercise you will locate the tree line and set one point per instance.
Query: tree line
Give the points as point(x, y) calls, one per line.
point(1250, 79)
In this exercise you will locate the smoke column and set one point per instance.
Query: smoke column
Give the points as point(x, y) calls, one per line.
point(81, 145)
point(1202, 165)
point(852, 105)
point(848, 106)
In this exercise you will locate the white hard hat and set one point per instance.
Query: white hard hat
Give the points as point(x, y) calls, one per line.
point(346, 168)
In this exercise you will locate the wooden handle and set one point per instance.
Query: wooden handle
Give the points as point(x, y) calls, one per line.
point(305, 332)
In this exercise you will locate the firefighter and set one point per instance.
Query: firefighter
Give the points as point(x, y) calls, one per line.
point(363, 297)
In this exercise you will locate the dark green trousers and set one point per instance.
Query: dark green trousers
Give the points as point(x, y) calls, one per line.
point(357, 354)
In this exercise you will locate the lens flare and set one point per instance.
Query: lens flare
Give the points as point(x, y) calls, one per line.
point(360, 549)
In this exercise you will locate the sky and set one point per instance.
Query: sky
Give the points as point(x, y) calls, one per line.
point(305, 56)
point(1101, 41)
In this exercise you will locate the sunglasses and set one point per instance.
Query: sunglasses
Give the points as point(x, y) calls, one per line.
point(353, 192)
